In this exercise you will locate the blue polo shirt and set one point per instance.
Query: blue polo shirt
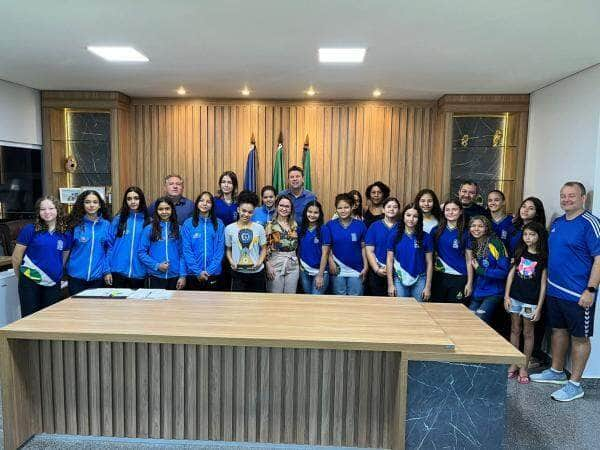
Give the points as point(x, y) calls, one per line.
point(43, 258)
point(227, 212)
point(504, 229)
point(300, 202)
point(346, 246)
point(450, 251)
point(409, 255)
point(576, 241)
point(377, 236)
point(184, 208)
point(263, 215)
point(310, 249)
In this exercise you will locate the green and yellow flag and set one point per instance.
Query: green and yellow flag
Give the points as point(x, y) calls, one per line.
point(278, 171)
point(306, 166)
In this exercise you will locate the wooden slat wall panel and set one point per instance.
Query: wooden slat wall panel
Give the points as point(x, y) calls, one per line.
point(352, 144)
point(323, 397)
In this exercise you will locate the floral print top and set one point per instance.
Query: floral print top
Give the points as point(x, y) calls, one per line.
point(280, 240)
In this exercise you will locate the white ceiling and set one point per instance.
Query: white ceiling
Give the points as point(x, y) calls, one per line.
point(417, 49)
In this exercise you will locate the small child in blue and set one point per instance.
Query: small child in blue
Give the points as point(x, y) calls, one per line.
point(39, 255)
point(88, 266)
point(376, 242)
point(490, 262)
point(126, 230)
point(410, 253)
point(161, 249)
point(203, 238)
point(348, 260)
point(313, 250)
point(264, 213)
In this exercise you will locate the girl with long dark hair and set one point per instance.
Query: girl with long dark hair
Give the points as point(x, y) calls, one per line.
point(160, 248)
point(409, 252)
point(525, 292)
point(126, 230)
point(313, 249)
point(531, 210)
point(428, 203)
point(203, 244)
point(88, 266)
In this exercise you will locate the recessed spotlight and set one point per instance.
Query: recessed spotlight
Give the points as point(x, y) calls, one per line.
point(118, 54)
point(377, 93)
point(245, 92)
point(181, 90)
point(342, 55)
point(310, 91)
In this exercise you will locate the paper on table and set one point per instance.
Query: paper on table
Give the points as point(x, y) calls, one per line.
point(105, 293)
point(150, 294)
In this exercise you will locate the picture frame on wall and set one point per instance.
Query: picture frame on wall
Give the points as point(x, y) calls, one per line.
point(68, 196)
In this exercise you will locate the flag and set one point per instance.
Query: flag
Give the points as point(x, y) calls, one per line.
point(250, 174)
point(278, 173)
point(306, 168)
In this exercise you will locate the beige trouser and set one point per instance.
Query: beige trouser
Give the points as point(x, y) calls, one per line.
point(287, 272)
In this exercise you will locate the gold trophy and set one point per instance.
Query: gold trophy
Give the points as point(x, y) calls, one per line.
point(245, 236)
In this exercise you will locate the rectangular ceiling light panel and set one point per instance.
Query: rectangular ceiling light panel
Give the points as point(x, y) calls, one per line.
point(118, 54)
point(342, 55)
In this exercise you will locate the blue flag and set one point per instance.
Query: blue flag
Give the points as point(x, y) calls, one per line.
point(250, 174)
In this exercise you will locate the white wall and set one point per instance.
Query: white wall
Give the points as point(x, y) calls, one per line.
point(20, 116)
point(564, 144)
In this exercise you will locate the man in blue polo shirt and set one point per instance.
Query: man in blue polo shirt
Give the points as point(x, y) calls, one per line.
point(300, 196)
point(184, 207)
point(573, 277)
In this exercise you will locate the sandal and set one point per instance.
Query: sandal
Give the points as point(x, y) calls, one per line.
point(524, 379)
point(512, 374)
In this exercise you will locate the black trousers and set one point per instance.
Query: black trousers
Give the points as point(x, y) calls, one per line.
point(377, 285)
point(34, 297)
point(193, 284)
point(76, 285)
point(446, 288)
point(123, 282)
point(248, 282)
point(162, 283)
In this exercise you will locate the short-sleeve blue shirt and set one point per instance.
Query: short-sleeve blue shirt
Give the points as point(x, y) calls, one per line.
point(43, 258)
point(409, 254)
point(310, 248)
point(576, 241)
point(377, 236)
point(346, 246)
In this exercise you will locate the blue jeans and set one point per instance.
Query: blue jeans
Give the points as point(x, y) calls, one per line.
point(414, 290)
point(347, 285)
point(308, 283)
point(484, 307)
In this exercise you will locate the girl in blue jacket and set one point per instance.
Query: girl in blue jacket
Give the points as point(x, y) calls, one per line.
point(161, 248)
point(126, 230)
point(203, 244)
point(487, 255)
point(89, 230)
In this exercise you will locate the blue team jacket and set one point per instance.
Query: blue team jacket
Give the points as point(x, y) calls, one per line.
point(490, 277)
point(89, 251)
point(203, 246)
point(153, 253)
point(123, 257)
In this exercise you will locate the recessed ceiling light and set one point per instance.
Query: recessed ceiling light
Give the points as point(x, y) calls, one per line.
point(245, 92)
point(118, 54)
point(181, 90)
point(377, 93)
point(342, 55)
point(310, 91)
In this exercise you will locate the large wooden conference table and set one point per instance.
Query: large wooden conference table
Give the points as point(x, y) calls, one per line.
point(315, 370)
